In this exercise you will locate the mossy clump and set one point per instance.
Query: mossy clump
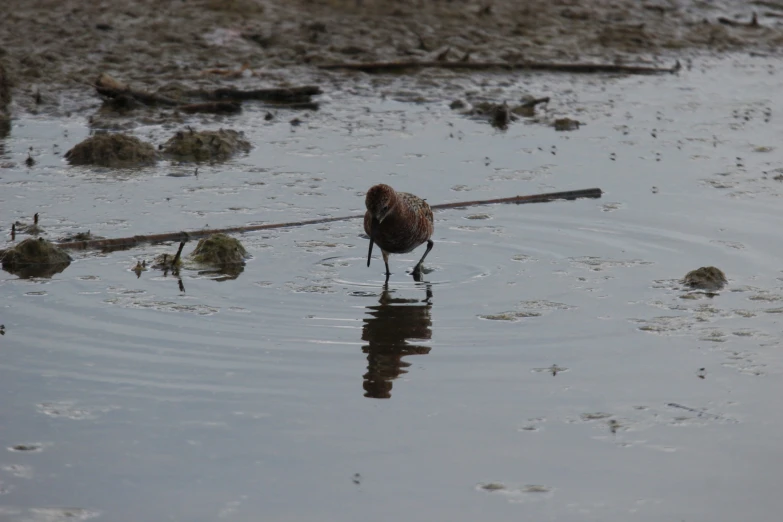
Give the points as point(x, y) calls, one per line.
point(34, 258)
point(166, 262)
point(206, 145)
point(219, 250)
point(500, 115)
point(705, 278)
point(566, 124)
point(112, 150)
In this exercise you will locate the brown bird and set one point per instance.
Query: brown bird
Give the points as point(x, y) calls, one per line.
point(398, 222)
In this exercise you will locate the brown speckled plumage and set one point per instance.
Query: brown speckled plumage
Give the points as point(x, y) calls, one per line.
point(397, 222)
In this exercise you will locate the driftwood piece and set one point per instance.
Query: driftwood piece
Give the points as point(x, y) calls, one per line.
point(224, 100)
point(380, 67)
point(129, 242)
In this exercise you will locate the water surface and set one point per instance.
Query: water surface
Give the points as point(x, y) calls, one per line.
point(550, 366)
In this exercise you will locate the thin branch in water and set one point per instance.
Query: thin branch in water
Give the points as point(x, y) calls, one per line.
point(586, 68)
point(128, 242)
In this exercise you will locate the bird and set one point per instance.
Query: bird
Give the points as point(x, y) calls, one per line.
point(397, 222)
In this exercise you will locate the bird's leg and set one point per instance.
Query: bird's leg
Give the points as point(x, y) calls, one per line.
point(386, 261)
point(369, 254)
point(417, 268)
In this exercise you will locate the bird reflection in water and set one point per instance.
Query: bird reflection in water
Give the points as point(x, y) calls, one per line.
point(391, 329)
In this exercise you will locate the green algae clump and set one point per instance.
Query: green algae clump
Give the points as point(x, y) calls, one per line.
point(34, 258)
point(112, 150)
point(206, 145)
point(219, 250)
point(705, 278)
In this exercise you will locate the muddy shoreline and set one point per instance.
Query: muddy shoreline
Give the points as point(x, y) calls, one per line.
point(53, 50)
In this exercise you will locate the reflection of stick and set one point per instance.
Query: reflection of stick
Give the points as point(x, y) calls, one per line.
point(128, 242)
point(377, 67)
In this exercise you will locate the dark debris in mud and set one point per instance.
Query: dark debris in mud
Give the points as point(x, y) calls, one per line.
point(5, 92)
point(79, 236)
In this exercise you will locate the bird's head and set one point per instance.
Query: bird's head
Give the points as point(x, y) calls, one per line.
point(380, 201)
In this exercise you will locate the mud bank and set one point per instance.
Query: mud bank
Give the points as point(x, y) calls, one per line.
point(52, 50)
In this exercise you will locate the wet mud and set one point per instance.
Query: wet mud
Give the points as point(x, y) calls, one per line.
point(53, 50)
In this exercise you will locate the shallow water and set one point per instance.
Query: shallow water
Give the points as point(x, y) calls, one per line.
point(548, 368)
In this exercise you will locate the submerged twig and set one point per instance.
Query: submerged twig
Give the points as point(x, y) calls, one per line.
point(221, 107)
point(128, 242)
point(379, 67)
point(281, 95)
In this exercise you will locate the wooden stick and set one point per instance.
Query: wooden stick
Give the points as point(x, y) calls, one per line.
point(128, 242)
point(292, 97)
point(534, 198)
point(377, 67)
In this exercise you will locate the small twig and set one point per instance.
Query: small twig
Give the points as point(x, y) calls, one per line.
point(754, 22)
point(529, 104)
point(128, 242)
point(379, 67)
point(179, 253)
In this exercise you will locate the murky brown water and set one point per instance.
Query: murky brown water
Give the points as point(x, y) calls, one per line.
point(548, 368)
